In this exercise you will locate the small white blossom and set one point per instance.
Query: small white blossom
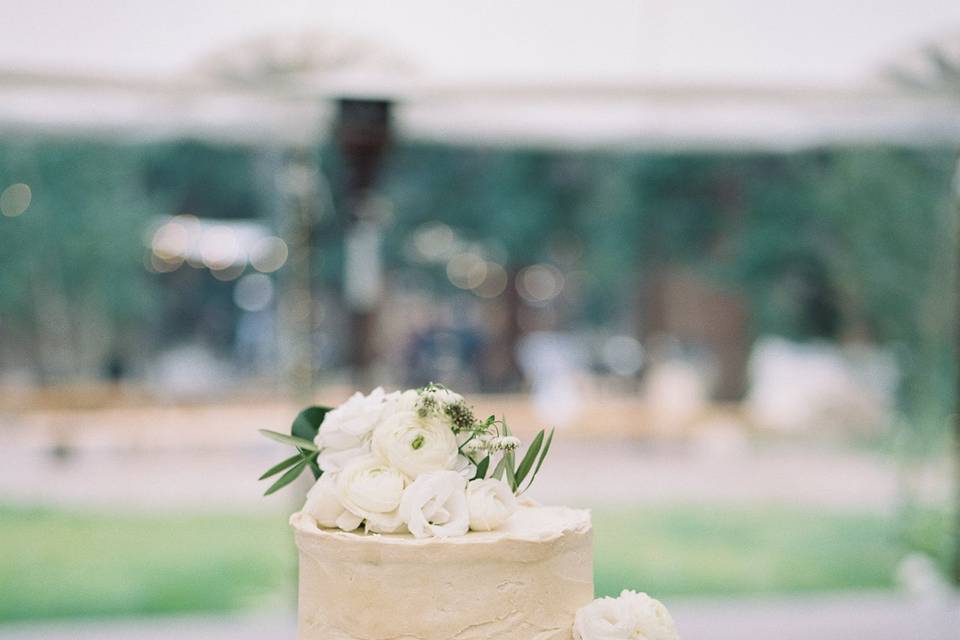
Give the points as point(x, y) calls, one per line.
point(477, 444)
point(504, 443)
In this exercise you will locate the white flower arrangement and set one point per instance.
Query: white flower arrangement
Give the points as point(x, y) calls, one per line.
point(413, 461)
point(632, 616)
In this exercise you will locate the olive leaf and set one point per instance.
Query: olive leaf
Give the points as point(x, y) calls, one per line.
point(527, 463)
point(543, 455)
point(511, 472)
point(499, 469)
point(303, 432)
point(280, 466)
point(307, 423)
point(482, 469)
point(297, 442)
point(288, 477)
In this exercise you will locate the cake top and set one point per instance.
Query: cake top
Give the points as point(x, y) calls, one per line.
point(529, 523)
point(416, 462)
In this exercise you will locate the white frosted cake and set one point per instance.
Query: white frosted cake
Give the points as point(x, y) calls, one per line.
point(415, 530)
point(523, 581)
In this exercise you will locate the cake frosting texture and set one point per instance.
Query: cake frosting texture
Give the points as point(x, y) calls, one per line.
point(523, 581)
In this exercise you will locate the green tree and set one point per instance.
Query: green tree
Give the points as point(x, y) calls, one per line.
point(72, 279)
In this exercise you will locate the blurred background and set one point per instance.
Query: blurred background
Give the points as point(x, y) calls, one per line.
point(714, 244)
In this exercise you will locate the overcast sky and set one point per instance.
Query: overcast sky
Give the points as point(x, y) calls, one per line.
point(814, 42)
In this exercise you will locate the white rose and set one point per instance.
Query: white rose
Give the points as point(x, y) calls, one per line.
point(632, 616)
point(415, 444)
point(325, 507)
point(346, 430)
point(490, 502)
point(436, 505)
point(371, 490)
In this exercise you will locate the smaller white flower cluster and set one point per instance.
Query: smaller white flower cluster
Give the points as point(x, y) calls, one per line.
point(401, 461)
point(632, 616)
point(485, 444)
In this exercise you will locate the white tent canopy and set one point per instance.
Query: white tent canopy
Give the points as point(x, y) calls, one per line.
point(653, 73)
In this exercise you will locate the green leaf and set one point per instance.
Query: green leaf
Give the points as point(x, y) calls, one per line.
point(543, 455)
point(527, 463)
point(315, 468)
point(482, 469)
point(509, 468)
point(292, 474)
point(300, 443)
point(498, 470)
point(307, 423)
point(280, 466)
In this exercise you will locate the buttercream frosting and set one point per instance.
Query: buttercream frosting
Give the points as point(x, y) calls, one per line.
point(522, 581)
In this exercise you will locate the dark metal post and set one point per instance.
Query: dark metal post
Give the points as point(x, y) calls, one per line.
point(955, 569)
point(363, 134)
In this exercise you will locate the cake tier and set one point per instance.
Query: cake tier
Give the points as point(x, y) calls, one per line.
point(524, 581)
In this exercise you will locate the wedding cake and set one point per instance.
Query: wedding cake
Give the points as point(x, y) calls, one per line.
point(416, 529)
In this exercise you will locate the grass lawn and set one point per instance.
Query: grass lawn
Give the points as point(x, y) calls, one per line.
point(58, 564)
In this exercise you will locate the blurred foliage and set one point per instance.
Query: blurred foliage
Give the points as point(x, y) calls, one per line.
point(824, 243)
point(81, 233)
point(208, 181)
point(73, 280)
point(60, 564)
point(71, 266)
point(864, 226)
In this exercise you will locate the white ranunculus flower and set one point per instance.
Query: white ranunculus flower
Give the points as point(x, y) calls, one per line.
point(632, 616)
point(436, 505)
point(346, 430)
point(322, 502)
point(490, 502)
point(370, 489)
point(401, 401)
point(333, 460)
point(415, 444)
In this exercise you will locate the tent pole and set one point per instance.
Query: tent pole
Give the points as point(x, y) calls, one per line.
point(955, 569)
point(363, 134)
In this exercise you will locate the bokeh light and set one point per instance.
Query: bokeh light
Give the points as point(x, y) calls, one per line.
point(467, 270)
point(219, 247)
point(232, 272)
point(253, 292)
point(434, 242)
point(15, 199)
point(623, 355)
point(157, 264)
point(494, 283)
point(540, 283)
point(171, 241)
point(269, 254)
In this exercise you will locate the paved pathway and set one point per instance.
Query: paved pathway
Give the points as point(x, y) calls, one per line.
point(848, 617)
point(606, 473)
